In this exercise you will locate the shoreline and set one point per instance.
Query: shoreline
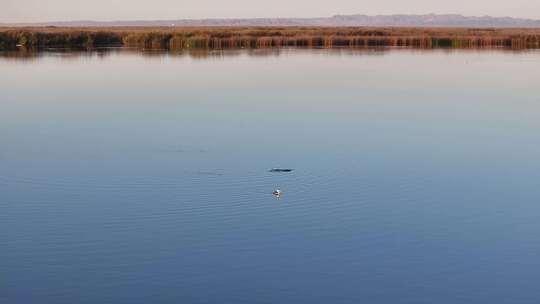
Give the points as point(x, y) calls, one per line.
point(179, 38)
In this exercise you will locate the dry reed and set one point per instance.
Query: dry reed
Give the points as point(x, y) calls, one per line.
point(268, 37)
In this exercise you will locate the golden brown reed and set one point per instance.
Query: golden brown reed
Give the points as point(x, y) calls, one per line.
point(268, 37)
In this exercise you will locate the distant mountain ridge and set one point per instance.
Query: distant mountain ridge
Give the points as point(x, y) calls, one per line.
point(429, 20)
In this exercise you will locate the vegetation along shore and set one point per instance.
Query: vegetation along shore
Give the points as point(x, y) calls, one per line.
point(266, 37)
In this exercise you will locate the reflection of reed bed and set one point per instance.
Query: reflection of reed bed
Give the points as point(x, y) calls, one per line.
point(232, 38)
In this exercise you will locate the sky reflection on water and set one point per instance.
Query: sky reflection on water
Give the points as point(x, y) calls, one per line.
point(137, 178)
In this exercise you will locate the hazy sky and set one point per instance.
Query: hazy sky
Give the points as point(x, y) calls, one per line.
point(57, 10)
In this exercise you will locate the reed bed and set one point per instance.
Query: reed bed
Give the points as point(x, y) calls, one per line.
point(268, 37)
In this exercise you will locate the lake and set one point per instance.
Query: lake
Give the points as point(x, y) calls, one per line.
point(143, 177)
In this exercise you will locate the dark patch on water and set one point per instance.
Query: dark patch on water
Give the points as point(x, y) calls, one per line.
point(280, 170)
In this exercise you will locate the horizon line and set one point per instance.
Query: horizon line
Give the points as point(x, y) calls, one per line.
point(263, 18)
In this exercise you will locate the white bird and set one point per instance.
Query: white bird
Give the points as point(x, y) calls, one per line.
point(277, 192)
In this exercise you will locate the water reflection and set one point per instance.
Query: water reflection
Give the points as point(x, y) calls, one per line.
point(127, 174)
point(27, 54)
point(24, 54)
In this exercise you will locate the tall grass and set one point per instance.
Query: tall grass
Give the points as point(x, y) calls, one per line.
point(34, 39)
point(269, 37)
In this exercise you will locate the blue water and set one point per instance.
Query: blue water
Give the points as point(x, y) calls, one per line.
point(130, 177)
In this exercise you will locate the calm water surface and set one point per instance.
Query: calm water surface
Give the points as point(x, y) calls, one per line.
point(143, 178)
